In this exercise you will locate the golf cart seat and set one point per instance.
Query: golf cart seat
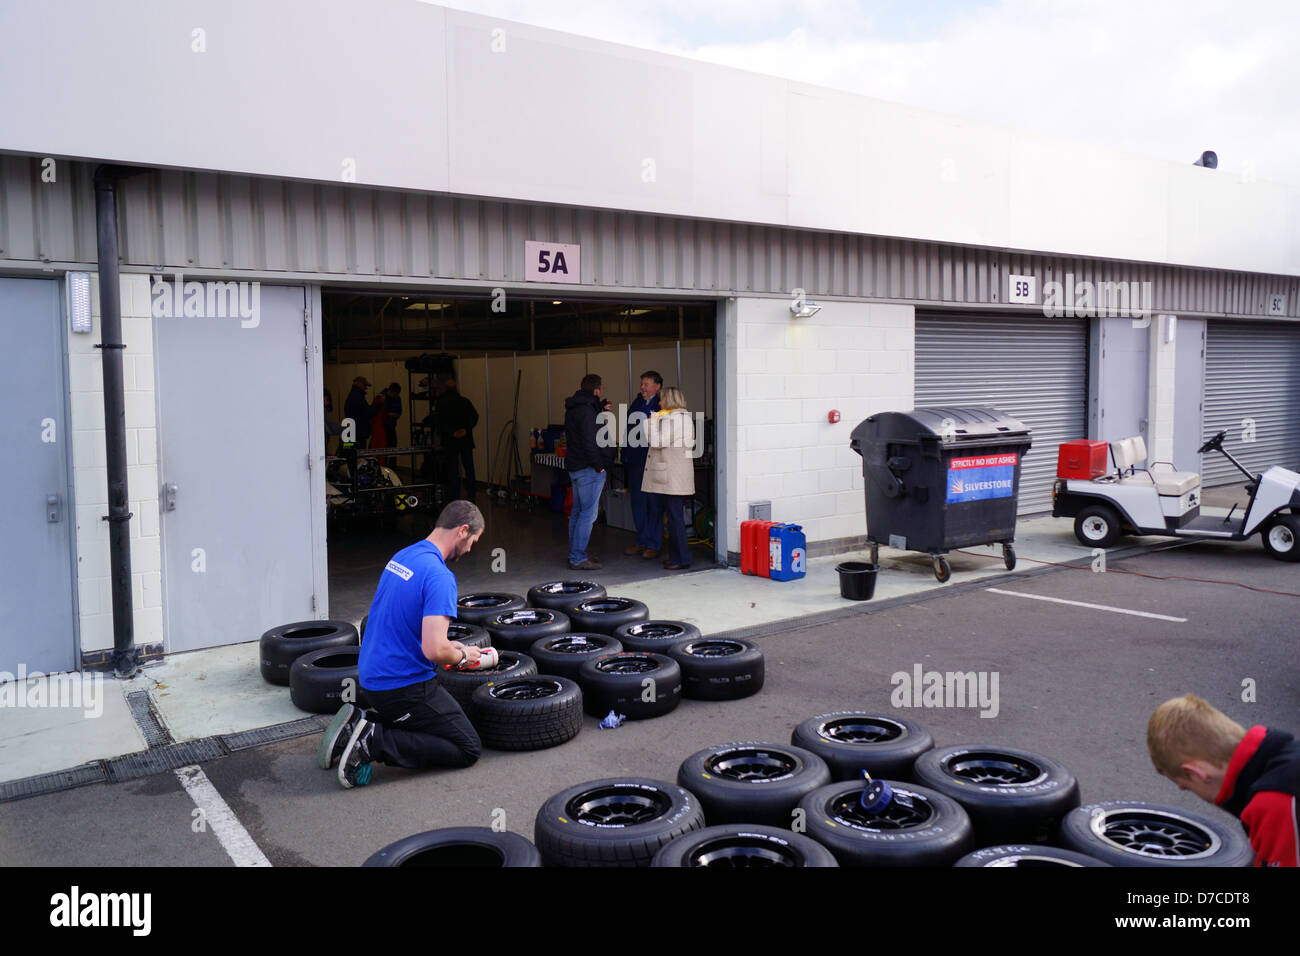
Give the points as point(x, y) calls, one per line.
point(1129, 453)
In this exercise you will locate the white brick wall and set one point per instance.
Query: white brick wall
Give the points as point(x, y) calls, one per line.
point(852, 356)
point(1161, 362)
point(90, 476)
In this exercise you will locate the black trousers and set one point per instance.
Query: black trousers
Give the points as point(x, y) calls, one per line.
point(455, 458)
point(421, 726)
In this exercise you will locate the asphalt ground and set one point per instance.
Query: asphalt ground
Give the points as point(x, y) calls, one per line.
point(1076, 684)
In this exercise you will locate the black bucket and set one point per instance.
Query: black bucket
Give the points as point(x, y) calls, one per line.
point(857, 580)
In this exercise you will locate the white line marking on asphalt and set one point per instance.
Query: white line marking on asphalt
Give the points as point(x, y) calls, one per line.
point(1095, 607)
point(234, 838)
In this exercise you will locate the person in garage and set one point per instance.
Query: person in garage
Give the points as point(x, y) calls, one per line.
point(585, 459)
point(670, 473)
point(1253, 774)
point(635, 449)
point(357, 408)
point(456, 417)
point(412, 721)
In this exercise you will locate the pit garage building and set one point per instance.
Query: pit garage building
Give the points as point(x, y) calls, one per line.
point(375, 175)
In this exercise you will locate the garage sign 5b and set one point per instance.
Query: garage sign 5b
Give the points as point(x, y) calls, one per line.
point(552, 262)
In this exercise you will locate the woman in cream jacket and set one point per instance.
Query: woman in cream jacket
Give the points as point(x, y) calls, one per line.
point(670, 471)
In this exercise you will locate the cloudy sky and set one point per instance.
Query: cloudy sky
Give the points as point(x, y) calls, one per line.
point(1165, 78)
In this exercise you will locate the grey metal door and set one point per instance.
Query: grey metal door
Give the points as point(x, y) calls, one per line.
point(1252, 389)
point(1121, 357)
point(38, 624)
point(1032, 368)
point(233, 452)
point(1189, 392)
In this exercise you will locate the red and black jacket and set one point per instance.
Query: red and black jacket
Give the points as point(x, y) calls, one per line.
point(1262, 787)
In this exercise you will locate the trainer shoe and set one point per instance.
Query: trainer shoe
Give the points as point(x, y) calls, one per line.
point(354, 763)
point(336, 736)
point(588, 565)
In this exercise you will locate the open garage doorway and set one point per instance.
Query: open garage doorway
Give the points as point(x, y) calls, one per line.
point(514, 359)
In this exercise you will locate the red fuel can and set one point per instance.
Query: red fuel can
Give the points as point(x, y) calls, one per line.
point(1082, 458)
point(756, 547)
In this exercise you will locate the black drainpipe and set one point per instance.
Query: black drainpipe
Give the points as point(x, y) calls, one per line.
point(125, 663)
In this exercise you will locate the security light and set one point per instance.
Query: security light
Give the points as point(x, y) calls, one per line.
point(79, 301)
point(804, 308)
point(1209, 159)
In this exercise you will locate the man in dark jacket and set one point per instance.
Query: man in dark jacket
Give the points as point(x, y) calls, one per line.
point(357, 408)
point(1253, 774)
point(455, 418)
point(586, 459)
point(649, 533)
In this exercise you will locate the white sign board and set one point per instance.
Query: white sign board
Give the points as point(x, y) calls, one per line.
point(552, 262)
point(1022, 290)
point(1277, 305)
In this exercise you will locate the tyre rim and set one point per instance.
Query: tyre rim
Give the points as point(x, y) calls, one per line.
point(627, 665)
point(861, 729)
point(752, 765)
point(505, 661)
point(566, 587)
point(1095, 528)
point(713, 648)
point(1281, 538)
point(993, 769)
point(526, 688)
point(734, 851)
point(524, 618)
point(618, 806)
point(1154, 833)
point(847, 809)
point(1031, 860)
point(483, 600)
point(576, 645)
point(458, 630)
point(605, 605)
point(656, 630)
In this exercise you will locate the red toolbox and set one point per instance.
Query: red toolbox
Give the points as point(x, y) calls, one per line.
point(756, 547)
point(1082, 458)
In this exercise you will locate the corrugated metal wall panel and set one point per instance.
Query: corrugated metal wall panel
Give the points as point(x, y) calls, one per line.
point(1252, 372)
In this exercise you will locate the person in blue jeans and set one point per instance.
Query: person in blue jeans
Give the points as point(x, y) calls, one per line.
point(586, 458)
point(413, 721)
point(649, 534)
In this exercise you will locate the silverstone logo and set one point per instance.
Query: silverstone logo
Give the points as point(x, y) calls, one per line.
point(37, 690)
point(951, 689)
point(1085, 299)
point(206, 300)
point(401, 570)
point(76, 909)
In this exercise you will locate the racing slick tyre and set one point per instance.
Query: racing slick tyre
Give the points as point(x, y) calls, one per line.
point(851, 741)
point(750, 782)
point(933, 831)
point(657, 636)
point(740, 844)
point(471, 635)
point(528, 713)
point(564, 654)
point(459, 847)
point(480, 607)
point(1134, 833)
point(1097, 526)
point(319, 682)
point(361, 628)
point(618, 821)
point(518, 630)
point(1011, 796)
point(1281, 537)
point(281, 646)
point(637, 684)
point(462, 684)
point(718, 668)
point(562, 595)
point(604, 614)
point(1026, 855)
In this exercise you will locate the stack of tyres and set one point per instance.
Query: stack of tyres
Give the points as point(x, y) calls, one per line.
point(637, 684)
point(621, 821)
point(752, 781)
point(281, 646)
point(527, 713)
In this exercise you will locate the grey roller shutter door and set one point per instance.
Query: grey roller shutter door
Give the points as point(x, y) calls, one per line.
point(1252, 371)
point(1033, 369)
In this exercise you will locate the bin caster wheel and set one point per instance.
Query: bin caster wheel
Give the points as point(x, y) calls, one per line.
point(942, 570)
point(1009, 557)
point(875, 554)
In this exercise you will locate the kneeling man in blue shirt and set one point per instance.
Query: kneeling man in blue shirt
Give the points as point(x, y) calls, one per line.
point(412, 721)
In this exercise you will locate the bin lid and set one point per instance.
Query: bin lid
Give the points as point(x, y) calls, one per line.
point(953, 426)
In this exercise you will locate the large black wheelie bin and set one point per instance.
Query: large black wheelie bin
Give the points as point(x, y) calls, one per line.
point(941, 478)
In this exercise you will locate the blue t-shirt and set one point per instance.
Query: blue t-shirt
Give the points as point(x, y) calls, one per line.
point(414, 585)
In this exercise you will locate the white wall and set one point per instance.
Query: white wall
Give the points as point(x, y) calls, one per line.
point(90, 472)
point(852, 356)
point(459, 93)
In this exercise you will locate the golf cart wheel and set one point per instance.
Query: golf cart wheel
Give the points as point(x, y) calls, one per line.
point(942, 569)
point(1031, 856)
point(562, 595)
point(605, 614)
point(518, 630)
point(655, 635)
point(1133, 833)
point(564, 654)
point(1011, 796)
point(1009, 557)
point(743, 844)
point(933, 831)
point(528, 713)
point(1281, 538)
point(851, 741)
point(481, 607)
point(462, 684)
point(750, 782)
point(719, 668)
point(621, 821)
point(459, 847)
point(1097, 526)
point(637, 684)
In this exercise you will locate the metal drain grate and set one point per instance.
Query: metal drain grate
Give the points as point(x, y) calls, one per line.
point(246, 739)
point(167, 757)
point(148, 719)
point(53, 782)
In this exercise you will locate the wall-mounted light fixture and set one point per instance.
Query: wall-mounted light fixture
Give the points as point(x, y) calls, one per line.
point(79, 301)
point(1171, 323)
point(802, 308)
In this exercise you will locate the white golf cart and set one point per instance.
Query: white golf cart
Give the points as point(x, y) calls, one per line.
point(1138, 500)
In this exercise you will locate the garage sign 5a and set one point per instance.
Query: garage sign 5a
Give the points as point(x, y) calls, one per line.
point(552, 262)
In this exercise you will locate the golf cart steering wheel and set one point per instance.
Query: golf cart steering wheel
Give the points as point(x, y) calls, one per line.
point(1212, 443)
